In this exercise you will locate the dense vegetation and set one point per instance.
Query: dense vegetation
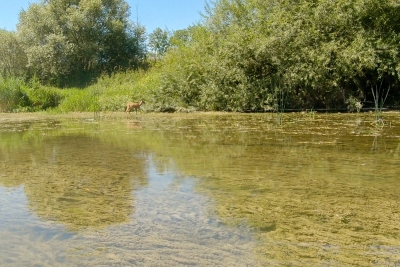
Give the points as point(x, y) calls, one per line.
point(246, 55)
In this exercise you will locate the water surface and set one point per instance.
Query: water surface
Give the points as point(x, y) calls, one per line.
point(199, 190)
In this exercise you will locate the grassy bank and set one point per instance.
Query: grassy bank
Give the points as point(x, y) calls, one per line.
point(109, 93)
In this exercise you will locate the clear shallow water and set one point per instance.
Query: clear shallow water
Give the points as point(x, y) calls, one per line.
point(168, 225)
point(199, 190)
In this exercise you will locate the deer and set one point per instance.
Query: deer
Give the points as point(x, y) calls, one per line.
point(133, 105)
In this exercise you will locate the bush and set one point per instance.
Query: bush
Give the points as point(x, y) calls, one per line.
point(263, 55)
point(43, 98)
point(12, 97)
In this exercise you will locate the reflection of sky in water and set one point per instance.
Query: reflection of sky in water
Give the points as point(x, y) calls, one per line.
point(13, 207)
point(171, 226)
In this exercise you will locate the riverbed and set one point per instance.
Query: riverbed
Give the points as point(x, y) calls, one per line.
point(200, 189)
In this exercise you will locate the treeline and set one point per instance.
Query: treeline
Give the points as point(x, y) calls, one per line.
point(274, 54)
point(246, 55)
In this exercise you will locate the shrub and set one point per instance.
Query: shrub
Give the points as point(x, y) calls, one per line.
point(12, 97)
point(42, 98)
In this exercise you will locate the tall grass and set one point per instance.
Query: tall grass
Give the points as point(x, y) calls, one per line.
point(115, 91)
point(109, 93)
point(76, 100)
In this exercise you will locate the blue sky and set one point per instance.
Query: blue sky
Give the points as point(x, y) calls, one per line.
point(165, 14)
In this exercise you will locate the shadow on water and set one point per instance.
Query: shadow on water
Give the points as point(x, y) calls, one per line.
point(206, 189)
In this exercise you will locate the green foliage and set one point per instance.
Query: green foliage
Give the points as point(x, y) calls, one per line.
point(66, 39)
point(250, 53)
point(12, 96)
point(110, 93)
point(77, 100)
point(41, 97)
point(13, 59)
point(121, 88)
point(182, 71)
point(159, 42)
point(44, 97)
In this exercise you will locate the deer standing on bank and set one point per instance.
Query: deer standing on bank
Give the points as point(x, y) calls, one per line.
point(133, 105)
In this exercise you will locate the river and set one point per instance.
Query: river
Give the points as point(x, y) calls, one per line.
point(201, 189)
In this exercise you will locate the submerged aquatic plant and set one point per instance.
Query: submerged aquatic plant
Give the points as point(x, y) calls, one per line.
point(379, 100)
point(280, 101)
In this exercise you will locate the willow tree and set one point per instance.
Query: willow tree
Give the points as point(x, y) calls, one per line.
point(12, 57)
point(66, 39)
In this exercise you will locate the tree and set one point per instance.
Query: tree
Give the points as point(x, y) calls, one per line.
point(12, 57)
point(159, 42)
point(66, 39)
point(137, 39)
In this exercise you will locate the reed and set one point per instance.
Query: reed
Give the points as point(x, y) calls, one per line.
point(380, 95)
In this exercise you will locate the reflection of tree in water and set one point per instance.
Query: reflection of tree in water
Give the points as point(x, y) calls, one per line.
point(77, 180)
